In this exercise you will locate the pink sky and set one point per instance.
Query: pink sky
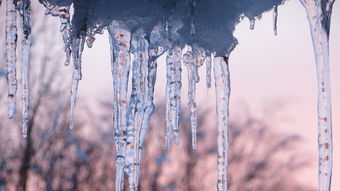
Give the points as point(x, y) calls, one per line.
point(266, 70)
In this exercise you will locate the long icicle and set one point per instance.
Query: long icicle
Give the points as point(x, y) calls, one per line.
point(222, 88)
point(77, 49)
point(25, 17)
point(120, 38)
point(189, 62)
point(173, 94)
point(154, 52)
point(193, 59)
point(319, 16)
point(139, 48)
point(11, 44)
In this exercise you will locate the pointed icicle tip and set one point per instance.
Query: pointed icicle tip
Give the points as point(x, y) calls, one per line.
point(252, 23)
point(275, 14)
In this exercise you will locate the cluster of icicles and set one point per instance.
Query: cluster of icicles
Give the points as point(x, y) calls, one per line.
point(131, 116)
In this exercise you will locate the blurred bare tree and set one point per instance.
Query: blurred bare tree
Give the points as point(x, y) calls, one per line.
point(259, 158)
point(52, 157)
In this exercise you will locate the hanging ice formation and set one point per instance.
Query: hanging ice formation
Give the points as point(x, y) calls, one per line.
point(24, 10)
point(319, 17)
point(193, 59)
point(173, 94)
point(24, 7)
point(252, 23)
point(11, 46)
point(135, 30)
point(275, 19)
point(222, 88)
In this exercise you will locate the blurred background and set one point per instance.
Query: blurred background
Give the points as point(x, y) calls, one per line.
point(273, 113)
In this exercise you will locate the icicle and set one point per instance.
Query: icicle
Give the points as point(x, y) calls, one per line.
point(209, 61)
point(173, 94)
point(65, 29)
point(24, 7)
point(120, 46)
point(275, 19)
point(158, 45)
point(137, 106)
point(251, 23)
point(222, 88)
point(63, 13)
point(11, 43)
point(319, 16)
point(189, 62)
point(77, 48)
point(192, 60)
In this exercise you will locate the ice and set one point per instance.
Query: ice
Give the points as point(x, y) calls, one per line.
point(147, 29)
point(193, 59)
point(209, 61)
point(24, 7)
point(222, 88)
point(120, 38)
point(319, 16)
point(275, 14)
point(173, 95)
point(138, 101)
point(11, 45)
point(251, 23)
point(77, 49)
